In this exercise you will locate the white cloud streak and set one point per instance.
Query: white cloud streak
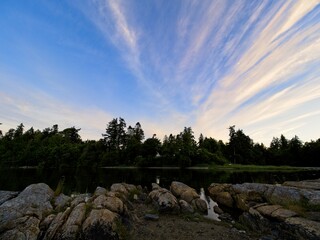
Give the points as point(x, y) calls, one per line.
point(111, 20)
point(209, 65)
point(117, 22)
point(226, 73)
point(126, 33)
point(40, 111)
point(278, 60)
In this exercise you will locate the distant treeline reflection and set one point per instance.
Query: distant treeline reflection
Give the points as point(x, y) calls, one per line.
point(83, 180)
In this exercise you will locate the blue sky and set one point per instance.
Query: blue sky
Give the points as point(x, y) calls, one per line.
point(167, 64)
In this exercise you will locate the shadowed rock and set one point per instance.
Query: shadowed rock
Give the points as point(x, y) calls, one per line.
point(164, 200)
point(123, 188)
point(188, 194)
point(112, 203)
point(186, 207)
point(100, 224)
point(301, 228)
point(266, 204)
point(221, 193)
point(56, 224)
point(71, 228)
point(100, 191)
point(61, 201)
point(21, 215)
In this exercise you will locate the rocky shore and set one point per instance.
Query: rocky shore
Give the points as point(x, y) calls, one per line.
point(125, 211)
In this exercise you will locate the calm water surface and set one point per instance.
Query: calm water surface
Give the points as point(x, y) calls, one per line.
point(86, 180)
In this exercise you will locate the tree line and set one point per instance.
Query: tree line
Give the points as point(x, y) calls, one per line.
point(122, 145)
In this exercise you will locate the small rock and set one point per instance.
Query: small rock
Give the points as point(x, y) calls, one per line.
point(155, 186)
point(217, 210)
point(123, 188)
point(112, 203)
point(44, 225)
point(79, 199)
point(61, 201)
point(135, 197)
point(47, 221)
point(224, 198)
point(177, 188)
point(100, 224)
point(201, 205)
point(255, 213)
point(217, 188)
point(72, 226)
point(56, 224)
point(112, 194)
point(164, 200)
point(100, 191)
point(254, 222)
point(186, 207)
point(226, 217)
point(130, 187)
point(151, 217)
point(282, 214)
point(143, 197)
point(189, 195)
point(119, 187)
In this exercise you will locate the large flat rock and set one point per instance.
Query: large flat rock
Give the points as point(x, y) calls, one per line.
point(307, 184)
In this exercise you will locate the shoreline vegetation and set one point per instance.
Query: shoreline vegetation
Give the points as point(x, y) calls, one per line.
point(126, 146)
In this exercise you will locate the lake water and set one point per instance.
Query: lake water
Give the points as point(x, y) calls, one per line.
point(86, 180)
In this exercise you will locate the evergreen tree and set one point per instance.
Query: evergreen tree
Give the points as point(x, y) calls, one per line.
point(240, 147)
point(115, 136)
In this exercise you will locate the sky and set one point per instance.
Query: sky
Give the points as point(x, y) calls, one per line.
point(207, 64)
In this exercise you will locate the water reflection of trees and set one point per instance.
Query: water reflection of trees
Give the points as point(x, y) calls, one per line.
point(83, 180)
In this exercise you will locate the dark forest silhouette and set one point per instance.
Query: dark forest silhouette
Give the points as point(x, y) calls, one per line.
point(122, 145)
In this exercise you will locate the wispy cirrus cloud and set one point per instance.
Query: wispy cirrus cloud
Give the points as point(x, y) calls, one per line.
point(39, 110)
point(275, 75)
point(111, 19)
point(220, 63)
point(205, 64)
point(206, 48)
point(117, 21)
point(124, 31)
